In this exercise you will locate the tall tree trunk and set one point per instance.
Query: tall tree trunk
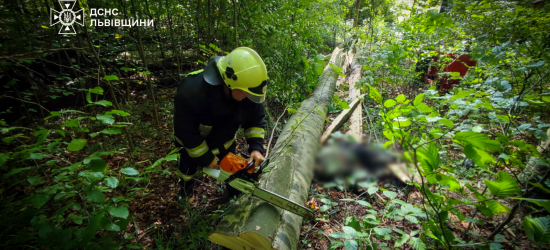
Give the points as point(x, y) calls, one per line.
point(254, 224)
point(144, 59)
point(357, 13)
point(173, 41)
point(156, 30)
point(446, 6)
point(235, 19)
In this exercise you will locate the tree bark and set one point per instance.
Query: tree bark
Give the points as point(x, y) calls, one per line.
point(254, 224)
point(339, 121)
point(356, 119)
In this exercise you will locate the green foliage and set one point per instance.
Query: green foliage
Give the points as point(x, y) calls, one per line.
point(69, 202)
point(537, 229)
point(504, 186)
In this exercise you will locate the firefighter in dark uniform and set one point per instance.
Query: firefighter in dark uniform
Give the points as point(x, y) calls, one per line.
point(212, 104)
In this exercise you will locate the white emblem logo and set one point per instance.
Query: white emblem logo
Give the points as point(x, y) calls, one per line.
point(66, 17)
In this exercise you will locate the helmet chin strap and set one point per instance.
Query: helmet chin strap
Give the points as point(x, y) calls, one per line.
point(228, 92)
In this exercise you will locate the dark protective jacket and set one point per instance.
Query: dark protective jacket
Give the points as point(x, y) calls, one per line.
point(206, 120)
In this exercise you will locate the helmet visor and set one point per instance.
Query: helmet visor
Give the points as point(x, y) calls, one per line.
point(255, 98)
point(257, 94)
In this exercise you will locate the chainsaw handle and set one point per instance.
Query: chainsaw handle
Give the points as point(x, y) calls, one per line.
point(250, 165)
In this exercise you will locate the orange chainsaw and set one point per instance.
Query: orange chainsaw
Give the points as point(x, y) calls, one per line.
point(237, 172)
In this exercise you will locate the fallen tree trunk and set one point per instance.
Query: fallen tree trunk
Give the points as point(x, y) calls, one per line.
point(356, 119)
point(254, 224)
point(339, 120)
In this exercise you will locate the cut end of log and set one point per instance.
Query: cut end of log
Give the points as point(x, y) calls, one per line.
point(403, 173)
point(246, 240)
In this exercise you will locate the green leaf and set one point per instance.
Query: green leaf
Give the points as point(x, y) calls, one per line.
point(478, 140)
point(375, 95)
point(111, 78)
point(504, 186)
point(424, 108)
point(446, 122)
point(428, 156)
point(111, 182)
point(479, 156)
point(173, 157)
point(417, 243)
point(95, 196)
point(418, 99)
point(537, 229)
point(38, 156)
point(390, 194)
point(485, 210)
point(353, 222)
point(324, 208)
point(111, 227)
point(71, 123)
point(319, 67)
point(344, 105)
point(39, 200)
point(534, 184)
point(126, 69)
point(364, 203)
point(4, 157)
point(351, 245)
point(449, 181)
point(338, 235)
point(381, 231)
point(106, 119)
point(97, 164)
point(111, 131)
point(119, 112)
point(401, 240)
point(129, 171)
point(350, 231)
point(97, 90)
point(389, 103)
point(77, 144)
point(400, 98)
point(535, 65)
point(411, 219)
point(401, 122)
point(460, 94)
point(496, 207)
point(372, 190)
point(120, 212)
point(104, 103)
point(543, 203)
point(35, 180)
point(76, 218)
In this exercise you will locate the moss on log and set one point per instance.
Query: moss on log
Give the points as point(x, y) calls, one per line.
point(254, 224)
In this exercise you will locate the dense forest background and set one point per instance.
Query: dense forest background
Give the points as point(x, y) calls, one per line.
point(87, 160)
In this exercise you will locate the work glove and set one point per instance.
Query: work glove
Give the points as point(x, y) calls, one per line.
point(214, 164)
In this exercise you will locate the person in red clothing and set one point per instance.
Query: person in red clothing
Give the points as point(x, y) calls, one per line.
point(460, 64)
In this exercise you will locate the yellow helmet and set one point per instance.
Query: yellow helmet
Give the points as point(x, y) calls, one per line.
point(244, 69)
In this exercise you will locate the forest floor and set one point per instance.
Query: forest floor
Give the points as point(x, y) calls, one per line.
point(162, 220)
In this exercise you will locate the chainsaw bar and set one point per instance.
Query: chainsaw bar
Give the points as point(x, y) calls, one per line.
point(248, 187)
point(283, 203)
